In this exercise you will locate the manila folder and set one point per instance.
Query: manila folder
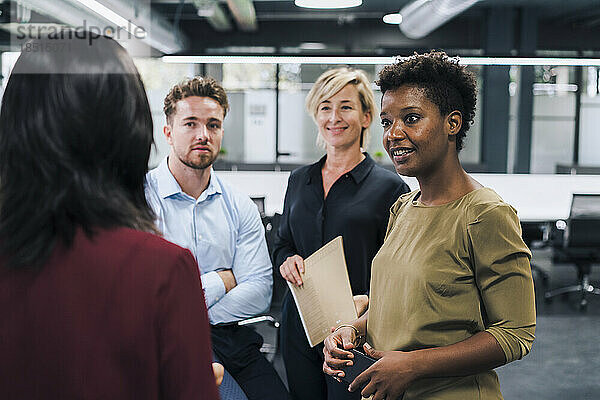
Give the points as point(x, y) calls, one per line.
point(325, 297)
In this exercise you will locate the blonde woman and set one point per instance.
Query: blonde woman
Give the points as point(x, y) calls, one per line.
point(344, 193)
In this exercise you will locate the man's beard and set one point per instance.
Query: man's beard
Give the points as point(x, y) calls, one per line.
point(205, 162)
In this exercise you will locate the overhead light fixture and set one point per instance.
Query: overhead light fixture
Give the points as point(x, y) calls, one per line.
point(153, 30)
point(328, 4)
point(312, 46)
point(112, 16)
point(421, 17)
point(501, 61)
point(214, 14)
point(393, 19)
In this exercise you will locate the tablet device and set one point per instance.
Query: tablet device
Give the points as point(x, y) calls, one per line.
point(360, 362)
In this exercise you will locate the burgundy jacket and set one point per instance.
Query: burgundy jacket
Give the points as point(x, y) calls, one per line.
point(118, 316)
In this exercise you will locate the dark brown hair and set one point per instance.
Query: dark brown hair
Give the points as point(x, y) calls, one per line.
point(197, 86)
point(74, 147)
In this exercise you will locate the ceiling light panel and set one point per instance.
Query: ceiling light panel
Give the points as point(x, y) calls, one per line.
point(393, 19)
point(328, 4)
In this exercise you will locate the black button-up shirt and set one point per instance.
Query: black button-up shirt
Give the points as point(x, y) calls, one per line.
point(356, 207)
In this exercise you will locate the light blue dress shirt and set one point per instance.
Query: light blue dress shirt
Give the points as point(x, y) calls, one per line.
point(223, 230)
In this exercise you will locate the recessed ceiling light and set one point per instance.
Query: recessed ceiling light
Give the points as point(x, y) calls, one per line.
point(313, 46)
point(395, 18)
point(328, 3)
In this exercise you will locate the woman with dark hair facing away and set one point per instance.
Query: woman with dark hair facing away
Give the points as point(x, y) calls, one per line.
point(451, 293)
point(345, 193)
point(92, 303)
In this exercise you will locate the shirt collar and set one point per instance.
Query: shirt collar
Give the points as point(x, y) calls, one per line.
point(314, 172)
point(363, 168)
point(214, 186)
point(358, 173)
point(168, 186)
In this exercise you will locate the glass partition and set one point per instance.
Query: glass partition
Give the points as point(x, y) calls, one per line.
point(268, 122)
point(268, 127)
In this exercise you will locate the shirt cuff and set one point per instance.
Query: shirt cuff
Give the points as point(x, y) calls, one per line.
point(214, 288)
point(515, 343)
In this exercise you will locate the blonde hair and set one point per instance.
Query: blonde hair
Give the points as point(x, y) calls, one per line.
point(331, 82)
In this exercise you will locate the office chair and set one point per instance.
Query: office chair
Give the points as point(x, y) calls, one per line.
point(267, 325)
point(577, 241)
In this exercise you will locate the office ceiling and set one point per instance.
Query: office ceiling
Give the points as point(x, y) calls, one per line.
point(281, 27)
point(558, 27)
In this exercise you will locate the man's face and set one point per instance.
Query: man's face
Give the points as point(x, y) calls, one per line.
point(195, 131)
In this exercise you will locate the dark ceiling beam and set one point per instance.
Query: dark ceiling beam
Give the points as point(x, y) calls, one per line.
point(379, 39)
point(352, 37)
point(592, 23)
point(552, 37)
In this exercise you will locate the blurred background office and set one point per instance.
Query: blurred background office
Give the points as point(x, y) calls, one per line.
point(535, 139)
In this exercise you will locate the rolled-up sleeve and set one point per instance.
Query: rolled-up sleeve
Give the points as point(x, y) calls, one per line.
point(503, 275)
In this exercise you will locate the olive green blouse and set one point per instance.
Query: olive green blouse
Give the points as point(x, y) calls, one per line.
point(445, 273)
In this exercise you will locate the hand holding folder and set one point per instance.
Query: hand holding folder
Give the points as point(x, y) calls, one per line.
point(325, 297)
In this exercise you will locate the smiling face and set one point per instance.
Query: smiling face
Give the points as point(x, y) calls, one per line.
point(418, 139)
point(195, 131)
point(341, 119)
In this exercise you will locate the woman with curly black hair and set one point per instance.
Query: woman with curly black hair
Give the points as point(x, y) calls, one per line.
point(451, 288)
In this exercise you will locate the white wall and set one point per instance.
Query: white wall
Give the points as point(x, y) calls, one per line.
point(589, 140)
point(259, 126)
point(553, 132)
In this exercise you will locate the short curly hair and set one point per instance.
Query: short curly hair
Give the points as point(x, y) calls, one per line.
point(447, 84)
point(197, 86)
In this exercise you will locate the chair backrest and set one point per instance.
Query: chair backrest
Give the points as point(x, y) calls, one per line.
point(279, 284)
point(585, 205)
point(260, 203)
point(583, 227)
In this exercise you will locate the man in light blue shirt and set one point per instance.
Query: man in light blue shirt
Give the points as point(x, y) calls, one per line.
point(220, 226)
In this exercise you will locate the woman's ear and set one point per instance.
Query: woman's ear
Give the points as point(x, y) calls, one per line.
point(454, 122)
point(366, 119)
